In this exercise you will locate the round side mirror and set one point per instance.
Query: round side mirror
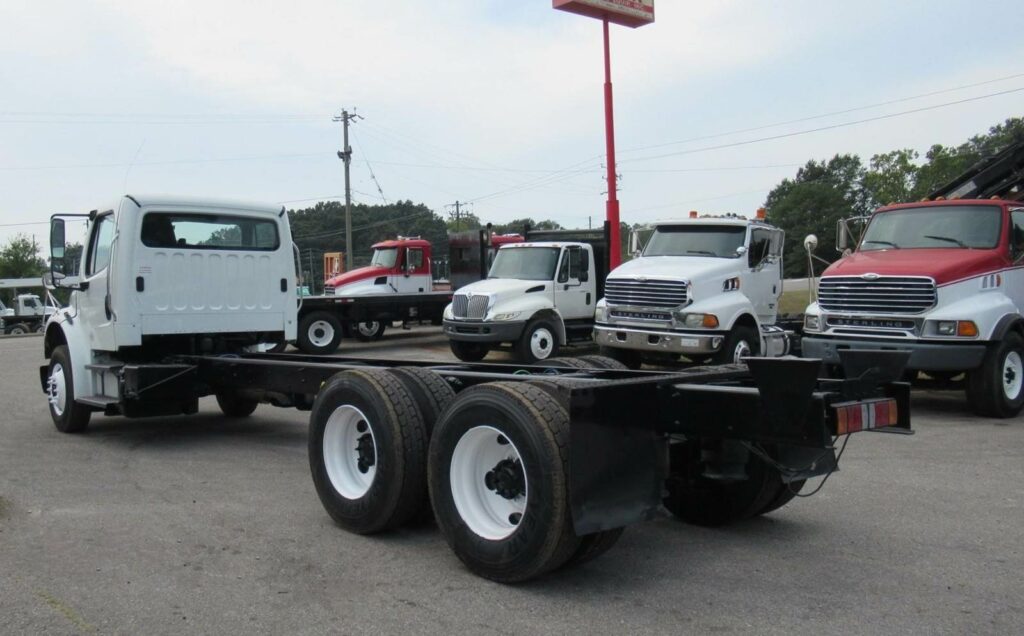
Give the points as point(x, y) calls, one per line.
point(741, 250)
point(811, 243)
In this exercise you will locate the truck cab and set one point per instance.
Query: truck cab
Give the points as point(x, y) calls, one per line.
point(162, 276)
point(941, 279)
point(400, 266)
point(538, 296)
point(704, 287)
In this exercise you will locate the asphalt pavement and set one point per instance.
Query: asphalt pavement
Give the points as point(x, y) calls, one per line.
point(203, 525)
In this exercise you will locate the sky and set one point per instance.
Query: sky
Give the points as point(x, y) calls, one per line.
point(497, 103)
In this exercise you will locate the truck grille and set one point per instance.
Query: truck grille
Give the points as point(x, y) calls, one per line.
point(884, 295)
point(645, 293)
point(472, 307)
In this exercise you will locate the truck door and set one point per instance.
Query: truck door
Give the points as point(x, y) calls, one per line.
point(1015, 275)
point(95, 301)
point(412, 274)
point(762, 282)
point(574, 286)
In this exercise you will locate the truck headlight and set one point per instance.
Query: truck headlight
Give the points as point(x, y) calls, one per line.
point(510, 315)
point(448, 315)
point(696, 321)
point(958, 328)
point(600, 314)
point(812, 323)
point(946, 327)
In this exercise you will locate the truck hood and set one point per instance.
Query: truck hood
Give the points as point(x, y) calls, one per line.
point(357, 275)
point(674, 267)
point(504, 287)
point(945, 265)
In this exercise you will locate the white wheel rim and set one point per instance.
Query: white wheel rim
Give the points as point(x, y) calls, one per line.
point(321, 333)
point(1013, 375)
point(742, 351)
point(56, 390)
point(482, 450)
point(368, 329)
point(17, 331)
point(346, 431)
point(541, 343)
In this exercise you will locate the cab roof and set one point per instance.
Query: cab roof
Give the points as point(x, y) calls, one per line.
point(191, 202)
point(542, 244)
point(733, 221)
point(949, 202)
point(401, 243)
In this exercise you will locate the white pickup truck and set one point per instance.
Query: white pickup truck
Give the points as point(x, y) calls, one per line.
point(538, 295)
point(705, 288)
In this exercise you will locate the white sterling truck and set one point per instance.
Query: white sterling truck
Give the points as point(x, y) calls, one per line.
point(526, 469)
point(706, 288)
point(539, 295)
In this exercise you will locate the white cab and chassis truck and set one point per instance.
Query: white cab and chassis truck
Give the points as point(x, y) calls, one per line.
point(539, 295)
point(704, 288)
point(27, 314)
point(526, 468)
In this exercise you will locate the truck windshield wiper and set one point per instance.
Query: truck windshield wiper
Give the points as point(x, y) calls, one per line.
point(889, 243)
point(701, 252)
point(949, 239)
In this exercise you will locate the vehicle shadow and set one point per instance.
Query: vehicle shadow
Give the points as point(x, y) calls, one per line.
point(199, 430)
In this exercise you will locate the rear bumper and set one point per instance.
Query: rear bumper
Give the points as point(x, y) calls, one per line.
point(924, 356)
point(483, 331)
point(658, 341)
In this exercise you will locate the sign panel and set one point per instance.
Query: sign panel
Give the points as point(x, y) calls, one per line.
point(630, 13)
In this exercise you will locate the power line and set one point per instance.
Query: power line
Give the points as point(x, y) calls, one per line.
point(823, 128)
point(824, 115)
point(168, 162)
point(362, 227)
point(370, 168)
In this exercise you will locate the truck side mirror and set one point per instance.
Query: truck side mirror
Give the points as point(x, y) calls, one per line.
point(56, 238)
point(842, 235)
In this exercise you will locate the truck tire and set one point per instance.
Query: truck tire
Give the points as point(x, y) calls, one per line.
point(594, 545)
point(568, 363)
point(627, 357)
point(498, 475)
point(39, 328)
point(469, 351)
point(368, 331)
point(18, 329)
point(234, 405)
point(996, 388)
point(68, 416)
point(701, 501)
point(367, 451)
point(429, 390)
point(603, 362)
point(538, 342)
point(741, 342)
point(319, 333)
point(786, 494)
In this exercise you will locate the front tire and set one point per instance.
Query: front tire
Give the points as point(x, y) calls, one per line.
point(319, 333)
point(498, 474)
point(741, 342)
point(996, 388)
point(469, 351)
point(68, 416)
point(367, 451)
point(539, 342)
point(19, 329)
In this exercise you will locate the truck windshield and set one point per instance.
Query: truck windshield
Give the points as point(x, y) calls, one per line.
point(385, 257)
point(525, 263)
point(960, 226)
point(696, 240)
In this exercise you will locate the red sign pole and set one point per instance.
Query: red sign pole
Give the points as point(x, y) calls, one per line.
point(612, 207)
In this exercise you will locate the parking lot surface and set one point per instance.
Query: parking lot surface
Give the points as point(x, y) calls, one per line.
point(204, 525)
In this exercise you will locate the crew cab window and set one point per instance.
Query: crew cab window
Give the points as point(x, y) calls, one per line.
point(209, 232)
point(760, 247)
point(99, 245)
point(1017, 234)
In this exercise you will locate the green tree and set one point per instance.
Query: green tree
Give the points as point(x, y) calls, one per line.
point(516, 226)
point(19, 258)
point(821, 193)
point(465, 221)
point(892, 177)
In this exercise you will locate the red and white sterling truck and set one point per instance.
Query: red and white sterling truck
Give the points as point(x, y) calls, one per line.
point(943, 279)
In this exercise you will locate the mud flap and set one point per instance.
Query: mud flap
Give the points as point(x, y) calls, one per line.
point(617, 466)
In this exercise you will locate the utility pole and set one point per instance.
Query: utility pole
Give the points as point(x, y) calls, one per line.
point(458, 214)
point(345, 154)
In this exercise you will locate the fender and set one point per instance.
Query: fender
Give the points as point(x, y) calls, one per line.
point(1006, 324)
point(63, 330)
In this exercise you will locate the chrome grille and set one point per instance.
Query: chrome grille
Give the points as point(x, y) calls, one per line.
point(471, 307)
point(645, 293)
point(884, 295)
